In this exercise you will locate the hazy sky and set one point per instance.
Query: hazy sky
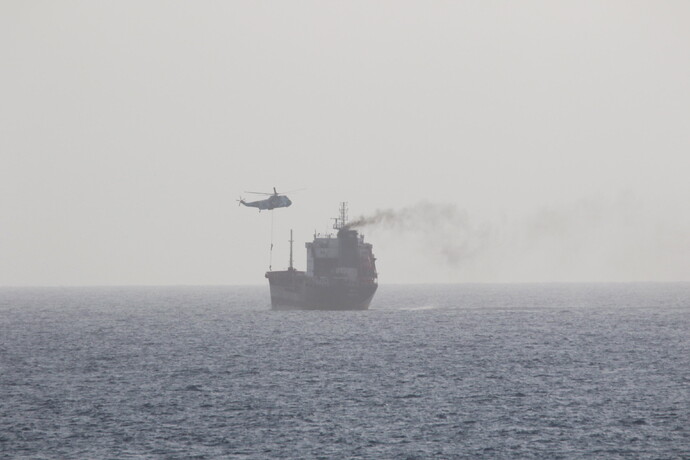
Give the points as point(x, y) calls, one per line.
point(523, 141)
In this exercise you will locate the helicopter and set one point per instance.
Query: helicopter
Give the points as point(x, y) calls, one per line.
point(274, 200)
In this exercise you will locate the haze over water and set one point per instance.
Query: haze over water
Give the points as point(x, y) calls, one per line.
point(469, 371)
point(557, 130)
point(490, 142)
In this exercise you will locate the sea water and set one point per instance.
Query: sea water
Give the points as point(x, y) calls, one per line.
point(464, 371)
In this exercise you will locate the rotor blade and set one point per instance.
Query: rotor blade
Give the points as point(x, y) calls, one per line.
point(258, 193)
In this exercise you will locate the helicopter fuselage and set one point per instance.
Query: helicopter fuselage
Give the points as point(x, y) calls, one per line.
point(272, 202)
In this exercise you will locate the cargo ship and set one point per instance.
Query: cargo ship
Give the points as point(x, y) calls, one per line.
point(340, 275)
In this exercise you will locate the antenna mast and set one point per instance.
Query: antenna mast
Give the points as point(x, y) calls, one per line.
point(341, 221)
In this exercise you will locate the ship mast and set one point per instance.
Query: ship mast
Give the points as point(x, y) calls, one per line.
point(341, 221)
point(291, 267)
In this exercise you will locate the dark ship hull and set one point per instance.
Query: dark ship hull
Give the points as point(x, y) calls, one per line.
point(293, 290)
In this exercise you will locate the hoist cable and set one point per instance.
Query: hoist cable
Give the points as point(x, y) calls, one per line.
point(270, 253)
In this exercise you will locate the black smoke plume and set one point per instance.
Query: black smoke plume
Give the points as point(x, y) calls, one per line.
point(442, 229)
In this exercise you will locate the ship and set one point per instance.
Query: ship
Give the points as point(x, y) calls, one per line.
point(340, 275)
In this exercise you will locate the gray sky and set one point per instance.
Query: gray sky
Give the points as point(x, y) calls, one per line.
point(555, 136)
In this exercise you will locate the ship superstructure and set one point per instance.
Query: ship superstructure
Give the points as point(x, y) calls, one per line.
point(340, 275)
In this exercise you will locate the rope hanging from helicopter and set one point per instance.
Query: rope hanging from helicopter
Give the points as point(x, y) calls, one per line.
point(270, 252)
